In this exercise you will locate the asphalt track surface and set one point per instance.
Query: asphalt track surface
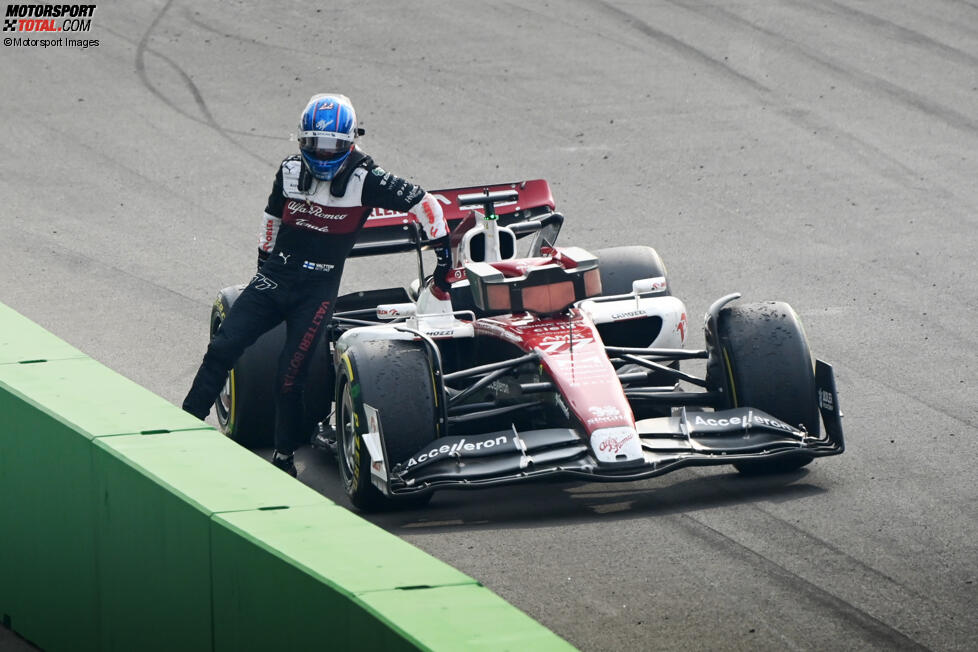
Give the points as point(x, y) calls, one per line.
point(821, 152)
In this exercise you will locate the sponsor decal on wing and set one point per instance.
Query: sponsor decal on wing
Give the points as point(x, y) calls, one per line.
point(459, 447)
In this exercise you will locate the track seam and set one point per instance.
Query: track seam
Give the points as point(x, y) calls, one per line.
point(842, 554)
point(680, 46)
point(877, 629)
point(865, 153)
point(904, 33)
point(866, 79)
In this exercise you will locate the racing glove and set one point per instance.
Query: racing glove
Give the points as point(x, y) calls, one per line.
point(443, 254)
point(262, 257)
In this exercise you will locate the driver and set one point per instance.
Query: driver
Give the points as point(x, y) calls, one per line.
point(319, 202)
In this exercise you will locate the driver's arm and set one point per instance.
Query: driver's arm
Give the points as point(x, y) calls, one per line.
point(271, 220)
point(382, 189)
point(429, 214)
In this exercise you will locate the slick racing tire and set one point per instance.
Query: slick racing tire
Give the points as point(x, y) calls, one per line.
point(768, 366)
point(395, 378)
point(245, 407)
point(619, 266)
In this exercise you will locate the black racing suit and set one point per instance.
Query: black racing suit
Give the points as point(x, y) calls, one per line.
point(308, 230)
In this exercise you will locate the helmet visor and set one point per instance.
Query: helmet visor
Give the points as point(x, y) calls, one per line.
point(324, 148)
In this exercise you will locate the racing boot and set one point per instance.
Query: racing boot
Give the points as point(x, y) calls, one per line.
point(286, 462)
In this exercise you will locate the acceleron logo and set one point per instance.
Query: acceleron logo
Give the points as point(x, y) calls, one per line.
point(35, 18)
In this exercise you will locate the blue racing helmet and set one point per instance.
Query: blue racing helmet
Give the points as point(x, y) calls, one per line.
point(327, 130)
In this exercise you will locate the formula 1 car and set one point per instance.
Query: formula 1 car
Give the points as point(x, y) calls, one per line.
point(546, 362)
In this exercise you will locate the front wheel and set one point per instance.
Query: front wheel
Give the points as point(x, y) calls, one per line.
point(767, 365)
point(394, 377)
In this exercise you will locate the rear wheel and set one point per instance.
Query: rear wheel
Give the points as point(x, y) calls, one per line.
point(619, 266)
point(768, 366)
point(245, 407)
point(395, 378)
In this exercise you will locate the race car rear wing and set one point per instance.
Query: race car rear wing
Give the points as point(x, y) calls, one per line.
point(388, 232)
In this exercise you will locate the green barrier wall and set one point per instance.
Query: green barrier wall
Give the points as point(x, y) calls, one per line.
point(126, 524)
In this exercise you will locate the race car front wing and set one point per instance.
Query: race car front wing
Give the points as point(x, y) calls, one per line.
point(689, 438)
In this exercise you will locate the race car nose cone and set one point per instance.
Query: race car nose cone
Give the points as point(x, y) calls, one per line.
point(616, 445)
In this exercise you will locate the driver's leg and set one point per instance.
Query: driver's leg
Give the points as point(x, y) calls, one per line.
point(304, 325)
point(255, 312)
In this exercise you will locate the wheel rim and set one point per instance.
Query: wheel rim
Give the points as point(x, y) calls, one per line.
point(347, 431)
point(224, 402)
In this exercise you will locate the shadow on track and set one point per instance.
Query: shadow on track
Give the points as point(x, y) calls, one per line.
point(559, 503)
